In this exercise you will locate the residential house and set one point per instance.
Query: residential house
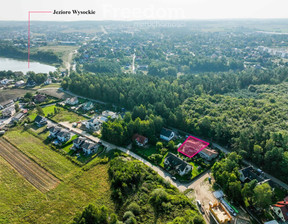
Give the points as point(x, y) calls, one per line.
point(249, 173)
point(6, 81)
point(72, 101)
point(167, 134)
point(172, 162)
point(208, 154)
point(108, 113)
point(78, 142)
point(140, 140)
point(39, 98)
point(18, 117)
point(88, 106)
point(19, 83)
point(8, 112)
point(95, 123)
point(53, 131)
point(40, 121)
point(281, 210)
point(48, 81)
point(63, 135)
point(89, 147)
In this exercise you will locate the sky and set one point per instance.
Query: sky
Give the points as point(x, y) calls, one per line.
point(145, 9)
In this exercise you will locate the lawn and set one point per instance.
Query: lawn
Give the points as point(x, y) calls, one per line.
point(62, 115)
point(65, 115)
point(146, 152)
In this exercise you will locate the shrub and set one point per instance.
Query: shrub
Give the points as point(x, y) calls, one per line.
point(128, 215)
point(135, 208)
point(131, 220)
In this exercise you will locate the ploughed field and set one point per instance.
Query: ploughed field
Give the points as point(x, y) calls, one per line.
point(31, 171)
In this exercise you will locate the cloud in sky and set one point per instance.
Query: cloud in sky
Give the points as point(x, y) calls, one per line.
point(147, 9)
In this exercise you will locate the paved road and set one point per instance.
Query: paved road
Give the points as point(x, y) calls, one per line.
point(133, 63)
point(161, 172)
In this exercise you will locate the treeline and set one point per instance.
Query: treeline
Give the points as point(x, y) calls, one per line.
point(130, 90)
point(102, 66)
point(206, 64)
point(38, 78)
point(10, 51)
point(120, 131)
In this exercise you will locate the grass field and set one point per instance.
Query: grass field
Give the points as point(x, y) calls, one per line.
point(61, 51)
point(31, 171)
point(62, 115)
point(65, 115)
point(21, 203)
point(41, 153)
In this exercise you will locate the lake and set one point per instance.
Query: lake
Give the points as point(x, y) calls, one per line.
point(17, 65)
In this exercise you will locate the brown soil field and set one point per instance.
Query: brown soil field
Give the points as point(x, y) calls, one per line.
point(10, 94)
point(30, 170)
point(54, 92)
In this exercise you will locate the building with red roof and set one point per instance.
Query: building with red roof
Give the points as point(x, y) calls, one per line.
point(140, 140)
point(281, 209)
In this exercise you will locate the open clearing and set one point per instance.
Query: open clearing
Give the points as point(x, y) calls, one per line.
point(20, 202)
point(55, 92)
point(41, 153)
point(30, 170)
point(10, 94)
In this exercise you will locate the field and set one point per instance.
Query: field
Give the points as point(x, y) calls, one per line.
point(62, 115)
point(55, 92)
point(42, 154)
point(63, 52)
point(20, 202)
point(30, 170)
point(65, 115)
point(9, 94)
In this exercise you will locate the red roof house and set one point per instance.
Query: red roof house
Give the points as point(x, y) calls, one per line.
point(281, 210)
point(140, 140)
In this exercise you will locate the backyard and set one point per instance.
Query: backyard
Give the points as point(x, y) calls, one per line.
point(61, 115)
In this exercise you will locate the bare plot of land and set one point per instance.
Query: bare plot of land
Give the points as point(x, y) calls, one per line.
point(55, 92)
point(30, 170)
point(10, 94)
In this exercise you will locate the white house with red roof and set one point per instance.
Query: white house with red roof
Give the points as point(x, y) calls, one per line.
point(208, 154)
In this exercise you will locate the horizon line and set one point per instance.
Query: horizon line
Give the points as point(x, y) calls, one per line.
point(138, 20)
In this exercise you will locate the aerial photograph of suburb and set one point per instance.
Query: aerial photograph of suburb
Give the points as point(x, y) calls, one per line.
point(144, 112)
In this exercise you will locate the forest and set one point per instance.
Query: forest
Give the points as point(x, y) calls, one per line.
point(7, 50)
point(254, 127)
